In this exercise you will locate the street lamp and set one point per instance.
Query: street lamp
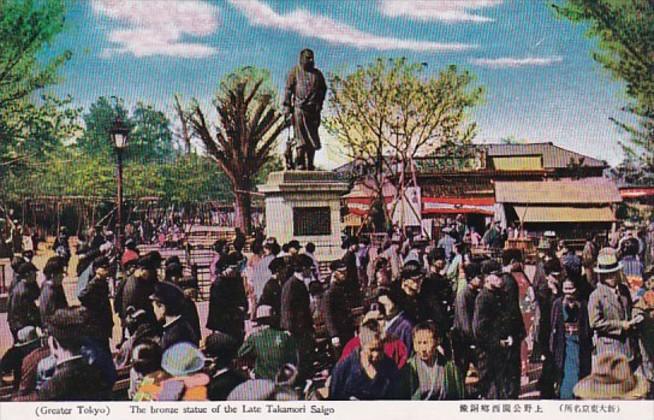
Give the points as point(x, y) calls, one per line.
point(119, 135)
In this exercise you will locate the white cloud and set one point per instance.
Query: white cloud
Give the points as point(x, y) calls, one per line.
point(157, 27)
point(316, 26)
point(444, 10)
point(513, 62)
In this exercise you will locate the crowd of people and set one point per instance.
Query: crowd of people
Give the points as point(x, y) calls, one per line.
point(412, 318)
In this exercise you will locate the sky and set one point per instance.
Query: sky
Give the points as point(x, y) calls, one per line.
point(541, 82)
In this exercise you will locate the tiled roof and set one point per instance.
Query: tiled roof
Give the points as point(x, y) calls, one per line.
point(567, 191)
point(553, 156)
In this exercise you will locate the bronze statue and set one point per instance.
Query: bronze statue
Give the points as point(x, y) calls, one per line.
point(305, 93)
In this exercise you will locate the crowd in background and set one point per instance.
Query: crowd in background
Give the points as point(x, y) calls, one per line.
point(409, 318)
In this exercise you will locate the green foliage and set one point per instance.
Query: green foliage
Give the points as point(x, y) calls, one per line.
point(388, 112)
point(625, 31)
point(393, 103)
point(30, 124)
point(244, 138)
point(71, 172)
point(150, 138)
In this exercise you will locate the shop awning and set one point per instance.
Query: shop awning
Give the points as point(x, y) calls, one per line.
point(640, 192)
point(458, 205)
point(538, 214)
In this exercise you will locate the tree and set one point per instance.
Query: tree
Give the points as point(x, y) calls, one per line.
point(150, 139)
point(389, 112)
point(29, 122)
point(625, 30)
point(245, 136)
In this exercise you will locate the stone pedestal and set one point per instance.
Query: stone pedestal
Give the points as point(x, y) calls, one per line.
point(305, 205)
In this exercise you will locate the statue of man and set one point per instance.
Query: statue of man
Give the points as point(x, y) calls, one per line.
point(305, 93)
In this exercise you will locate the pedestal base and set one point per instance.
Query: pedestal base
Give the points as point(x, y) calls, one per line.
point(305, 205)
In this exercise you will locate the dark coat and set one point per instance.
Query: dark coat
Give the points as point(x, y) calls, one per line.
point(337, 315)
point(464, 312)
point(222, 384)
point(435, 302)
point(178, 331)
point(190, 314)
point(272, 295)
point(349, 381)
point(493, 321)
point(22, 309)
point(352, 287)
point(296, 311)
point(544, 299)
point(52, 298)
point(75, 380)
point(557, 338)
point(228, 305)
point(136, 292)
point(95, 298)
point(401, 328)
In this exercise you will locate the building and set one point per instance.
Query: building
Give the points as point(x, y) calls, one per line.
point(465, 183)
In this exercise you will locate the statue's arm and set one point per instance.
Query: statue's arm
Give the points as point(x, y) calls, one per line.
point(321, 90)
point(288, 92)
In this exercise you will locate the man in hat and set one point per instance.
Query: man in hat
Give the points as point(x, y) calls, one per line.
point(272, 291)
point(28, 340)
point(310, 250)
point(464, 311)
point(52, 292)
point(494, 331)
point(95, 298)
point(228, 302)
point(408, 290)
point(221, 349)
point(268, 346)
point(22, 310)
point(521, 310)
point(366, 374)
point(436, 295)
point(352, 284)
point(74, 378)
point(296, 316)
point(168, 304)
point(611, 379)
point(337, 314)
point(609, 308)
point(139, 286)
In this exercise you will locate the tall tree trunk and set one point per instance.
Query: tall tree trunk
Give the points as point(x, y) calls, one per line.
point(243, 210)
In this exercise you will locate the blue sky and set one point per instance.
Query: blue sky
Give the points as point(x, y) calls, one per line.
point(541, 82)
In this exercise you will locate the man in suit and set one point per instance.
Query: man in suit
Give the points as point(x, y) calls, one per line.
point(168, 305)
point(495, 330)
point(296, 312)
point(95, 298)
point(609, 309)
point(74, 378)
point(338, 315)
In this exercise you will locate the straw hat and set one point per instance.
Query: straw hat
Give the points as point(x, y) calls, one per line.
point(607, 261)
point(182, 359)
point(26, 336)
point(611, 379)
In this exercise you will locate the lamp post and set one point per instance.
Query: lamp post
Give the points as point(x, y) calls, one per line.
point(119, 136)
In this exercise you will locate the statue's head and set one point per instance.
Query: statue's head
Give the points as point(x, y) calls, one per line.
point(307, 59)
